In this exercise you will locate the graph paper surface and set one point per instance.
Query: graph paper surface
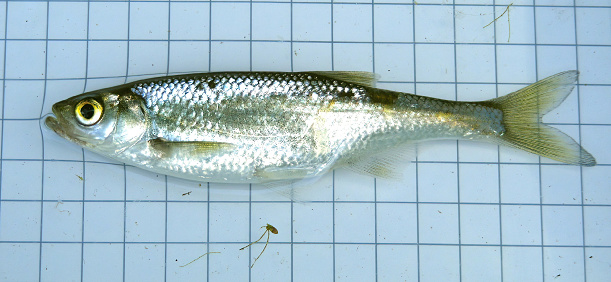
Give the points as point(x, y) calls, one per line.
point(465, 211)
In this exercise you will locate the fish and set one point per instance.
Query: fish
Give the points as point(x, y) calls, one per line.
point(268, 127)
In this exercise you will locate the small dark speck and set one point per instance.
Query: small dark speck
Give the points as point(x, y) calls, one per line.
point(590, 256)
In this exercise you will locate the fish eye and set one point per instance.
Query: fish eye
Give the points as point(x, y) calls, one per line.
point(88, 112)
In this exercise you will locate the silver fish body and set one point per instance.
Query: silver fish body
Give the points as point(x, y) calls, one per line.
point(256, 127)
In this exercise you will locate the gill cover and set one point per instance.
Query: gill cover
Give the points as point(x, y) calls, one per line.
point(131, 124)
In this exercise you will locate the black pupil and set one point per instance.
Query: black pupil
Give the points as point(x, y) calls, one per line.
point(87, 111)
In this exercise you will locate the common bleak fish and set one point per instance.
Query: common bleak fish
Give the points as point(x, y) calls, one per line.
point(258, 127)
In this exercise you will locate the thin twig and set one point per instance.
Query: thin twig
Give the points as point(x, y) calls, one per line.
point(200, 257)
point(254, 241)
point(268, 229)
point(253, 263)
point(508, 21)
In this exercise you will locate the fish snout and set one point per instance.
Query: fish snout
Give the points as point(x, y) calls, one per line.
point(55, 108)
point(60, 108)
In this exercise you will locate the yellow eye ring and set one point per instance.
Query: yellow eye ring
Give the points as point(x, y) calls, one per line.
point(88, 112)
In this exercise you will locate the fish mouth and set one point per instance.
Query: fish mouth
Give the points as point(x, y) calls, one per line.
point(51, 120)
point(54, 124)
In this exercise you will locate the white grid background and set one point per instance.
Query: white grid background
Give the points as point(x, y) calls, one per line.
point(467, 211)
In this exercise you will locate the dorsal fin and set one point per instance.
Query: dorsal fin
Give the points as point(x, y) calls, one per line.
point(358, 77)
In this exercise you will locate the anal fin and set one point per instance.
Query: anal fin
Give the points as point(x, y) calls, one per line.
point(386, 164)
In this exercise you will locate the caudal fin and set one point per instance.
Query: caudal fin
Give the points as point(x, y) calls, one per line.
point(522, 113)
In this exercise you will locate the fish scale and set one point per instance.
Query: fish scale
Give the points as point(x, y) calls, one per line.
point(253, 114)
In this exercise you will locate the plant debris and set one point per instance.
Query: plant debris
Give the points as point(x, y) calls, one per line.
point(199, 258)
point(508, 22)
point(268, 229)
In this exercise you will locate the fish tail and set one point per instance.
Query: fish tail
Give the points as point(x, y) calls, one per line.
point(522, 114)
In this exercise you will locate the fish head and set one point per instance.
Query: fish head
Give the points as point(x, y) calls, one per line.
point(101, 121)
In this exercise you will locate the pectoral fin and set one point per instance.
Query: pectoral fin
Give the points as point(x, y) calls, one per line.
point(284, 173)
point(166, 147)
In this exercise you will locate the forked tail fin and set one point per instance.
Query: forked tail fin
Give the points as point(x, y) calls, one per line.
point(522, 113)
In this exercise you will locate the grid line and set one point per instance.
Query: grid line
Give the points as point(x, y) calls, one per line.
point(83, 219)
point(332, 6)
point(548, 123)
point(315, 202)
point(413, 162)
point(208, 185)
point(249, 231)
point(129, 21)
point(496, 80)
point(375, 182)
point(540, 184)
point(249, 185)
point(304, 41)
point(165, 260)
point(334, 2)
point(291, 50)
point(458, 206)
point(416, 164)
point(208, 231)
point(583, 223)
point(319, 243)
point(83, 150)
point(3, 108)
point(165, 235)
point(40, 252)
point(333, 211)
point(142, 76)
point(124, 216)
point(380, 81)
